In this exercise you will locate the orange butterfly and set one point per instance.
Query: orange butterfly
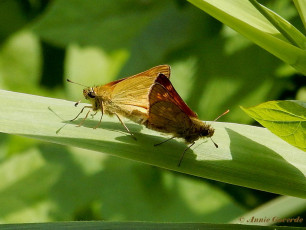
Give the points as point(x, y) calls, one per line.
point(127, 97)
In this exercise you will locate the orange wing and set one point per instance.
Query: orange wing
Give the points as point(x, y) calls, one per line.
point(129, 96)
point(153, 72)
point(134, 90)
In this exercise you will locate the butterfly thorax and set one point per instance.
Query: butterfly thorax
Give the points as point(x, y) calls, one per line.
point(197, 130)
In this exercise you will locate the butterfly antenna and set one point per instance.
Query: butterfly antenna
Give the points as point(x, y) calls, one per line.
point(77, 103)
point(214, 142)
point(227, 111)
point(76, 83)
point(214, 121)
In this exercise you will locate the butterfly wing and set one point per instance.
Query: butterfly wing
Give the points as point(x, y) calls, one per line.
point(129, 96)
point(167, 111)
point(153, 72)
point(173, 95)
point(133, 91)
point(164, 116)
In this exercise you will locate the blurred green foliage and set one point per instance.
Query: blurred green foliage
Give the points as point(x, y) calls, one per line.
point(94, 42)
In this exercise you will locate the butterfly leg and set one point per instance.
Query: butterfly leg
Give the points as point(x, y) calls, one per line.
point(125, 127)
point(101, 106)
point(92, 115)
point(99, 121)
point(83, 120)
point(81, 112)
point(163, 141)
point(182, 156)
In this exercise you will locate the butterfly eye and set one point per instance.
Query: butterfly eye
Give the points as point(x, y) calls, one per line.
point(204, 133)
point(91, 94)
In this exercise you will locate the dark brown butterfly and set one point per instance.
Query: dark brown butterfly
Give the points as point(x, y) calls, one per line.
point(168, 113)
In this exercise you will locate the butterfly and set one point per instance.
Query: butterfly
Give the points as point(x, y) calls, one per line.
point(126, 97)
point(168, 113)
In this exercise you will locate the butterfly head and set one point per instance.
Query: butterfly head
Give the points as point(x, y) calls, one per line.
point(207, 132)
point(89, 93)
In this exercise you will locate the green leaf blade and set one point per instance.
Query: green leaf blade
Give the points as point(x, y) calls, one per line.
point(285, 119)
point(247, 156)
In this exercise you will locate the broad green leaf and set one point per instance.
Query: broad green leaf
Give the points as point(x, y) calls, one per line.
point(243, 17)
point(286, 119)
point(247, 156)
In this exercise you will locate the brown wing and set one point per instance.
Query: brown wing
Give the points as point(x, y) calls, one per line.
point(134, 90)
point(164, 114)
point(174, 96)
